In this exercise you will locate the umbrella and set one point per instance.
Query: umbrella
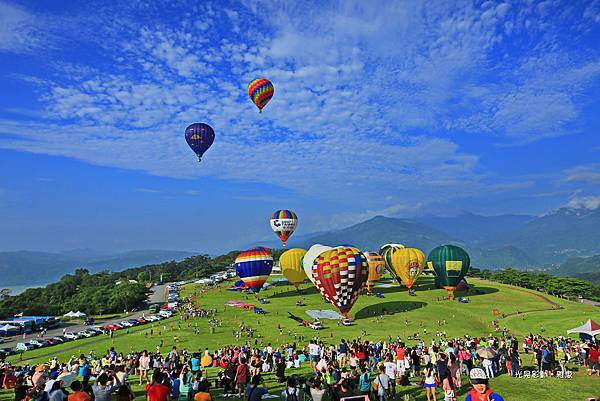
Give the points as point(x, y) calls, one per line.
point(486, 352)
point(7, 327)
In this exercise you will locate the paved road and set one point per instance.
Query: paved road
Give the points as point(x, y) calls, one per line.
point(157, 296)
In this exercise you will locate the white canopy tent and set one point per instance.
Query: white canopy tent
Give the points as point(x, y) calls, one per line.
point(590, 328)
point(69, 314)
point(79, 314)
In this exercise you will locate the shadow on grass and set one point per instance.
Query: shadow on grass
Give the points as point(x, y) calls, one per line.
point(475, 290)
point(387, 308)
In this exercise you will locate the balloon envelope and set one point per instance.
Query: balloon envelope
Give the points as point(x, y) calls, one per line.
point(199, 137)
point(291, 265)
point(450, 263)
point(407, 265)
point(386, 252)
point(283, 223)
point(340, 273)
point(309, 258)
point(254, 267)
point(376, 269)
point(261, 90)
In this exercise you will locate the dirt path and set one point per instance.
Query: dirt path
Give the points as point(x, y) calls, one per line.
point(553, 305)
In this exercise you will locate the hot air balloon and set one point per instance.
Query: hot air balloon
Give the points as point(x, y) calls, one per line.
point(309, 258)
point(260, 90)
point(283, 223)
point(407, 265)
point(340, 273)
point(386, 252)
point(450, 264)
point(376, 269)
point(291, 265)
point(199, 137)
point(254, 267)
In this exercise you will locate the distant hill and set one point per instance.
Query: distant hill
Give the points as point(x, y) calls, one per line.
point(477, 229)
point(501, 257)
point(30, 268)
point(583, 268)
point(553, 238)
point(373, 233)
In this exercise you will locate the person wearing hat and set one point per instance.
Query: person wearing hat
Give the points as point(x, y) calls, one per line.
point(481, 391)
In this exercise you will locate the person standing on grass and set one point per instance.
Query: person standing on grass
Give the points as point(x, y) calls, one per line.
point(390, 370)
point(594, 360)
point(144, 366)
point(429, 383)
point(449, 388)
point(481, 391)
point(383, 384)
point(242, 374)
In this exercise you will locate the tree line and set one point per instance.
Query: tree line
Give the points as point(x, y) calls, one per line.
point(564, 287)
point(97, 293)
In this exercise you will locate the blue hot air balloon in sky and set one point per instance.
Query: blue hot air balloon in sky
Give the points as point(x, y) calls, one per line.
point(199, 136)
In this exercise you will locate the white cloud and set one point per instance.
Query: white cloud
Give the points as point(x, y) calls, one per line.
point(147, 190)
point(586, 174)
point(587, 202)
point(19, 29)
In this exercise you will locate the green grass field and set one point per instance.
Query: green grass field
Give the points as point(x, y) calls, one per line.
point(429, 306)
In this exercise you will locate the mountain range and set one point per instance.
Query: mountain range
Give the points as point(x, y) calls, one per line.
point(563, 242)
point(31, 268)
point(520, 241)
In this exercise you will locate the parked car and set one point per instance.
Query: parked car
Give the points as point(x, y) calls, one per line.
point(24, 347)
point(316, 325)
point(112, 327)
point(125, 323)
point(85, 333)
point(38, 343)
point(72, 336)
point(52, 341)
point(61, 339)
point(6, 352)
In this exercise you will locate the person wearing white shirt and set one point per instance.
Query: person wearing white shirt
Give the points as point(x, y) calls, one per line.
point(390, 371)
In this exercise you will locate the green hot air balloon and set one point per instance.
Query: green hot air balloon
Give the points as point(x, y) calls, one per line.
point(450, 264)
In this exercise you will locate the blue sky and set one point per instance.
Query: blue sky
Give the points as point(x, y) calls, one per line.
point(394, 108)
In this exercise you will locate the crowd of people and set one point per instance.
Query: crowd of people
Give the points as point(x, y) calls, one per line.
point(347, 368)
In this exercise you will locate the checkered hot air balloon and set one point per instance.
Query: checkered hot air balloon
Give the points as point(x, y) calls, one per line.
point(254, 267)
point(340, 274)
point(260, 90)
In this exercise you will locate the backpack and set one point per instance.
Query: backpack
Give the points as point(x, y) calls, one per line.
point(293, 396)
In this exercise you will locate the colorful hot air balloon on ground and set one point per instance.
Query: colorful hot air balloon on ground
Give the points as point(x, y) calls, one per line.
point(340, 273)
point(386, 252)
point(199, 137)
point(283, 223)
point(254, 267)
point(407, 265)
point(450, 263)
point(376, 269)
point(309, 258)
point(291, 265)
point(260, 90)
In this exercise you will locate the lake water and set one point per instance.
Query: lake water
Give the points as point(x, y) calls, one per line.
point(17, 289)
